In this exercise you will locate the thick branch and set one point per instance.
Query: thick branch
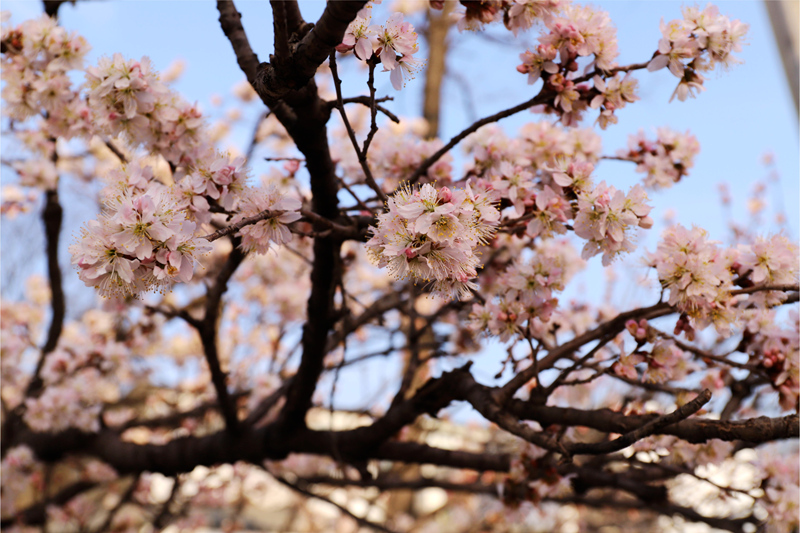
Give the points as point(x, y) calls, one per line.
point(274, 82)
point(646, 430)
point(52, 217)
point(697, 430)
point(208, 336)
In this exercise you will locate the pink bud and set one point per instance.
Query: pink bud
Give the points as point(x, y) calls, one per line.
point(445, 195)
point(410, 253)
point(342, 48)
point(646, 222)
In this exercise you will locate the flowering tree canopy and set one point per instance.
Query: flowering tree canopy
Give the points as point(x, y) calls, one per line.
point(200, 389)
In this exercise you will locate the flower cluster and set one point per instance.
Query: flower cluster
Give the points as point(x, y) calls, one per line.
point(664, 160)
point(126, 97)
point(606, 218)
point(776, 349)
point(770, 260)
point(696, 274)
point(394, 44)
point(36, 58)
point(393, 155)
point(526, 290)
point(517, 15)
point(143, 241)
point(778, 473)
point(578, 32)
point(433, 235)
point(695, 44)
point(38, 173)
point(215, 177)
point(284, 210)
point(22, 475)
point(664, 362)
point(614, 93)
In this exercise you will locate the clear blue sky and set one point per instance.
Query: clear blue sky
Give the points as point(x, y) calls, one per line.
point(743, 113)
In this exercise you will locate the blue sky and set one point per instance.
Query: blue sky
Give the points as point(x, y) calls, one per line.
point(743, 114)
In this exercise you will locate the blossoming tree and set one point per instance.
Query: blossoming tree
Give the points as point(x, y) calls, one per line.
point(371, 244)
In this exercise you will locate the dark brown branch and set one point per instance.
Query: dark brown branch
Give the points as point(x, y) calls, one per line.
point(414, 453)
point(402, 484)
point(51, 7)
point(611, 327)
point(116, 151)
point(208, 336)
point(311, 51)
point(365, 100)
point(231, 22)
point(696, 430)
point(646, 430)
point(280, 31)
point(52, 216)
point(294, 19)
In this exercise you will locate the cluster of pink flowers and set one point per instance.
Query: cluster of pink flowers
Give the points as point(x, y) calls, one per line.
point(606, 218)
point(521, 173)
point(525, 291)
point(517, 15)
point(532, 468)
point(776, 349)
point(771, 260)
point(663, 362)
point(696, 274)
point(63, 407)
point(579, 32)
point(546, 178)
point(433, 234)
point(614, 93)
point(85, 371)
point(216, 178)
point(695, 44)
point(259, 236)
point(778, 474)
point(700, 276)
point(664, 160)
point(22, 474)
point(393, 156)
point(38, 173)
point(37, 56)
point(126, 97)
point(394, 44)
point(143, 241)
point(539, 144)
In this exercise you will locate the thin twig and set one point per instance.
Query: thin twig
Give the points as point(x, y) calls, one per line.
point(362, 158)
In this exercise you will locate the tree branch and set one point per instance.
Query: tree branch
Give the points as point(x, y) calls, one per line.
point(685, 411)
